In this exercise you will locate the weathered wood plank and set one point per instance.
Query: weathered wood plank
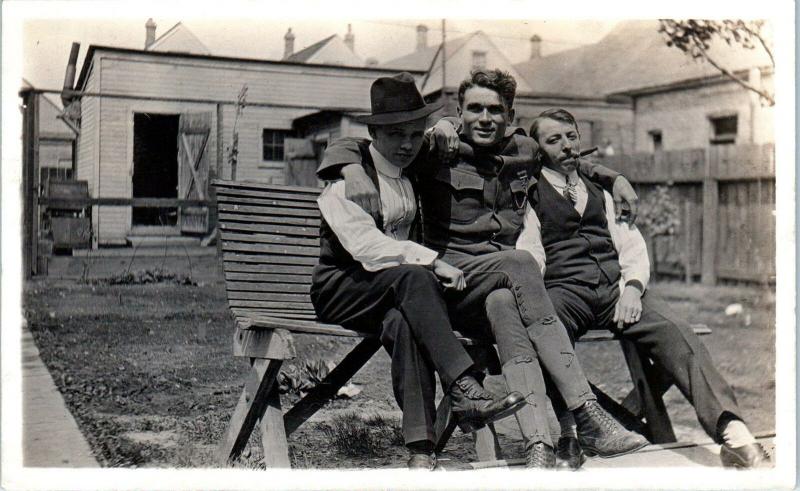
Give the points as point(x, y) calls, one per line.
point(249, 409)
point(487, 446)
point(263, 201)
point(274, 344)
point(269, 278)
point(287, 250)
point(273, 433)
point(268, 210)
point(277, 219)
point(269, 296)
point(280, 268)
point(268, 259)
point(261, 238)
point(250, 304)
point(267, 287)
point(266, 228)
point(267, 187)
point(234, 192)
point(330, 385)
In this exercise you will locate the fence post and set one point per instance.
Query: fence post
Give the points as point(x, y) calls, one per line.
point(710, 215)
point(30, 184)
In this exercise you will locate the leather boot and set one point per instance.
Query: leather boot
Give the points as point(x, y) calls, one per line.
point(473, 406)
point(540, 456)
point(602, 435)
point(569, 453)
point(750, 456)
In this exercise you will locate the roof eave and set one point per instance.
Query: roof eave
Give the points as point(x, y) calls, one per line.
point(685, 84)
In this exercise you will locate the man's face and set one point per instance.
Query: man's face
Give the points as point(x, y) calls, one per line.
point(484, 116)
point(399, 143)
point(560, 143)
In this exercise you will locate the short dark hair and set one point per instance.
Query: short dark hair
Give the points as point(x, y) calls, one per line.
point(558, 114)
point(497, 80)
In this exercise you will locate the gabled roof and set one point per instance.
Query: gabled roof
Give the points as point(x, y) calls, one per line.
point(631, 57)
point(180, 39)
point(331, 50)
point(304, 54)
point(421, 59)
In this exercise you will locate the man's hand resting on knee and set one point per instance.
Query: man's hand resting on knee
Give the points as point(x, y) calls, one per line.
point(629, 307)
point(449, 276)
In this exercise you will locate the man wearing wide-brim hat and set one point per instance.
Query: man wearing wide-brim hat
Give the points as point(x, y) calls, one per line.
point(371, 275)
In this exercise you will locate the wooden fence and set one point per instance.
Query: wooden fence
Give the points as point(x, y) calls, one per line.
point(726, 195)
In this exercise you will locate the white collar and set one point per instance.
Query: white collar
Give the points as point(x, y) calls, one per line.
point(383, 165)
point(558, 179)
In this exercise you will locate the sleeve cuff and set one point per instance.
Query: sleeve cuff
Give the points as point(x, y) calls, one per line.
point(636, 284)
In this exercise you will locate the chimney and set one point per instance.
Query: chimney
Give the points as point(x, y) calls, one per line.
point(422, 37)
point(536, 47)
point(288, 44)
point(350, 39)
point(150, 30)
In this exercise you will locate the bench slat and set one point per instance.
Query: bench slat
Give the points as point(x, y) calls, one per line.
point(251, 304)
point(279, 220)
point(269, 259)
point(269, 296)
point(267, 287)
point(268, 278)
point(231, 266)
point(271, 229)
point(269, 210)
point(232, 192)
point(224, 183)
point(289, 250)
point(268, 239)
point(251, 200)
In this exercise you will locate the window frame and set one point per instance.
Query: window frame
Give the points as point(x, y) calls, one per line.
point(723, 138)
point(274, 145)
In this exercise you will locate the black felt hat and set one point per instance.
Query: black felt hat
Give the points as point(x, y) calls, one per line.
point(396, 100)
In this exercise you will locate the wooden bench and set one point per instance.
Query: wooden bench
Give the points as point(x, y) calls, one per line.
point(270, 243)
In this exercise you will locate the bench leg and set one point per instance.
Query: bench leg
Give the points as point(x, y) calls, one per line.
point(487, 447)
point(273, 436)
point(645, 382)
point(444, 425)
point(250, 408)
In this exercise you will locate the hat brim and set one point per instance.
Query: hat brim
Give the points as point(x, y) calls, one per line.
point(400, 116)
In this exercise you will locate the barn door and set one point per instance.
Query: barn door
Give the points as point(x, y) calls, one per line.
point(301, 162)
point(193, 134)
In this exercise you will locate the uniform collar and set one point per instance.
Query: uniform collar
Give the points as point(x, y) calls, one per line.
point(383, 165)
point(558, 179)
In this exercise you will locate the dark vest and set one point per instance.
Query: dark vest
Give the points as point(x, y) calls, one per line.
point(331, 251)
point(578, 249)
point(476, 205)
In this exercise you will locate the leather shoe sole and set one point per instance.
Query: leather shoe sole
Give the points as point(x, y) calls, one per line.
point(747, 457)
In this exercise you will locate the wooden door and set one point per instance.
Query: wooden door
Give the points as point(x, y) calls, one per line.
point(301, 162)
point(193, 162)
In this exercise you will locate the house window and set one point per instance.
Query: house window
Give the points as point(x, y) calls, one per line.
point(272, 144)
point(724, 129)
point(478, 59)
point(655, 140)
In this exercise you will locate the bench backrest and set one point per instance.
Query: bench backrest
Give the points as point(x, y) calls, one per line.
point(270, 244)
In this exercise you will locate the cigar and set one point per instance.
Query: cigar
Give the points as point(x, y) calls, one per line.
point(587, 152)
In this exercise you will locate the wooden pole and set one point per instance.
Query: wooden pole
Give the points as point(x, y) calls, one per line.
point(710, 214)
point(687, 240)
point(444, 67)
point(30, 164)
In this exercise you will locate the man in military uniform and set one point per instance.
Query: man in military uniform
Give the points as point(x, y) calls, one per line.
point(472, 213)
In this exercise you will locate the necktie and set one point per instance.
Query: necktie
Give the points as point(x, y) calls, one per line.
point(571, 191)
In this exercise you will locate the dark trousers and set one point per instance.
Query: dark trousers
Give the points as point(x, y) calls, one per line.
point(524, 322)
point(671, 344)
point(406, 304)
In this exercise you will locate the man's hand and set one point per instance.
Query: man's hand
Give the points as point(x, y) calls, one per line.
point(629, 307)
point(444, 140)
point(624, 193)
point(360, 189)
point(449, 276)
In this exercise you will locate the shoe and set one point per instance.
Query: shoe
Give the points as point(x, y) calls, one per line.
point(750, 456)
point(602, 435)
point(569, 453)
point(422, 462)
point(540, 456)
point(473, 406)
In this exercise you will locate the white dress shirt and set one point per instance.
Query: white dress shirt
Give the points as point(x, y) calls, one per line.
point(628, 241)
point(357, 230)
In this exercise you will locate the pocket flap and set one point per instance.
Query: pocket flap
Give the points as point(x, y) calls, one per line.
point(459, 179)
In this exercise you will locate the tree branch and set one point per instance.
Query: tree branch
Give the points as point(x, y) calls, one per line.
point(763, 43)
point(736, 79)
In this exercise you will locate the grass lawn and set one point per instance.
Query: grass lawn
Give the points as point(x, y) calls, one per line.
point(148, 373)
